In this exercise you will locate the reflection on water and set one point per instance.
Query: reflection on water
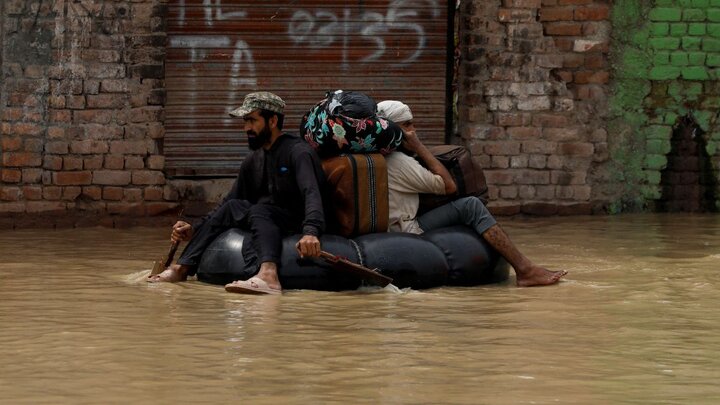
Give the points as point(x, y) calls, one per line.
point(634, 323)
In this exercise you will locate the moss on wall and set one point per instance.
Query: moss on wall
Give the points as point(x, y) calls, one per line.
point(665, 56)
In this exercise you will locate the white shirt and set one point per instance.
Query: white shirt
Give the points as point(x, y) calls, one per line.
point(406, 179)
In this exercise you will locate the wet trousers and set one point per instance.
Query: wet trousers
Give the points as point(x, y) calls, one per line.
point(468, 211)
point(267, 223)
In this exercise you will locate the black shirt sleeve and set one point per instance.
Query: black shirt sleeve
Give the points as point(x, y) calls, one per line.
point(308, 177)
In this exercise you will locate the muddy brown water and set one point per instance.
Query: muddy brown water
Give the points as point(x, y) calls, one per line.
point(636, 322)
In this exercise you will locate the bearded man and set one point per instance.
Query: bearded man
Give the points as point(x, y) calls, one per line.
point(277, 193)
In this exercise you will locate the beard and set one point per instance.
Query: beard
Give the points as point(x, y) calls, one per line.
point(256, 141)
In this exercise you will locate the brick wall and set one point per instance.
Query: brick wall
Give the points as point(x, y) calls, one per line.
point(535, 76)
point(564, 120)
point(667, 67)
point(82, 110)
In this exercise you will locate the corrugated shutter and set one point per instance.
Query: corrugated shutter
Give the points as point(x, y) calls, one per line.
point(220, 50)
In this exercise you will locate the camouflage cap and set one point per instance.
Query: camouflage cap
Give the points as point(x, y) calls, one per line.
point(259, 100)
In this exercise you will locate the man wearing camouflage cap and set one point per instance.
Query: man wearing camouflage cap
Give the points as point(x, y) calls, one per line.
point(277, 192)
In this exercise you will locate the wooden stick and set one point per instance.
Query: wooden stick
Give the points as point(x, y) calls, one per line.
point(343, 264)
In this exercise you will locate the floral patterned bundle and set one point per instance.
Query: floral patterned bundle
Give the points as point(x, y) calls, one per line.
point(331, 133)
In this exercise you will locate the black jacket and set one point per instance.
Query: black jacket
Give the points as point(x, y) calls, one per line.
point(294, 180)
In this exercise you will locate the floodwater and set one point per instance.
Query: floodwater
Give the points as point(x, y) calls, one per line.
point(635, 322)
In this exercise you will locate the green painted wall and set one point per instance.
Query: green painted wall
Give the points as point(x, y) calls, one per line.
point(666, 56)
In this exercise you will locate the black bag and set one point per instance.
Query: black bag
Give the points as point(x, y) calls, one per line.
point(468, 177)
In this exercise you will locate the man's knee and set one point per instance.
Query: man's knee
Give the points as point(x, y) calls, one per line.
point(259, 211)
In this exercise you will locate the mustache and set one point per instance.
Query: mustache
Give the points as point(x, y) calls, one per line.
point(251, 133)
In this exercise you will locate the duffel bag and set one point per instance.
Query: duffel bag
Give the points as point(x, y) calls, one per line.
point(468, 176)
point(359, 194)
point(346, 122)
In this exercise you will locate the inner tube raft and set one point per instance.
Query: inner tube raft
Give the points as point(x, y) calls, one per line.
point(452, 256)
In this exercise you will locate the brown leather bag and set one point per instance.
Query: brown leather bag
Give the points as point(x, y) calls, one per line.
point(359, 194)
point(468, 176)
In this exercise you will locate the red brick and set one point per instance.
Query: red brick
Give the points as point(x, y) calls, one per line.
point(146, 114)
point(27, 129)
point(594, 13)
point(584, 149)
point(153, 193)
point(93, 116)
point(72, 178)
point(543, 147)
point(573, 60)
point(21, 159)
point(132, 194)
point(561, 134)
point(148, 177)
point(52, 193)
point(111, 177)
point(32, 175)
point(113, 193)
point(129, 147)
point(92, 192)
point(522, 133)
point(512, 119)
point(106, 101)
point(10, 144)
point(134, 162)
point(46, 207)
point(70, 193)
point(114, 162)
point(56, 148)
point(502, 148)
point(93, 162)
point(52, 162)
point(75, 102)
point(156, 162)
point(60, 116)
point(596, 61)
point(535, 177)
point(556, 14)
point(88, 147)
point(12, 114)
point(10, 175)
point(564, 44)
point(72, 163)
point(496, 177)
point(33, 145)
point(32, 192)
point(567, 178)
point(563, 28)
point(12, 208)
point(549, 120)
point(590, 92)
point(585, 77)
point(9, 193)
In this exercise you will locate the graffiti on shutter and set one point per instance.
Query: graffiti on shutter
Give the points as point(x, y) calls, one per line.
point(220, 50)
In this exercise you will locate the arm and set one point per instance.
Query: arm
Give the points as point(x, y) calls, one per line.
point(412, 143)
point(314, 221)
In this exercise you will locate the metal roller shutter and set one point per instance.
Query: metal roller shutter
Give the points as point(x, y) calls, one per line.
point(220, 50)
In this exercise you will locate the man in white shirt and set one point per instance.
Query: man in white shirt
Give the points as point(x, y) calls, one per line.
point(407, 178)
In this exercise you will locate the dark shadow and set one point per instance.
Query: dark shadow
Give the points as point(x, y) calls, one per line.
point(688, 182)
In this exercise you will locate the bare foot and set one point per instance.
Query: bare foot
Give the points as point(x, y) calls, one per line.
point(537, 275)
point(172, 274)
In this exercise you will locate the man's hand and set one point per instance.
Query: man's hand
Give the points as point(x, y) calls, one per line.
point(181, 231)
point(410, 140)
point(308, 246)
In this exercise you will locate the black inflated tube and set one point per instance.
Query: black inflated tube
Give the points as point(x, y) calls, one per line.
point(454, 256)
